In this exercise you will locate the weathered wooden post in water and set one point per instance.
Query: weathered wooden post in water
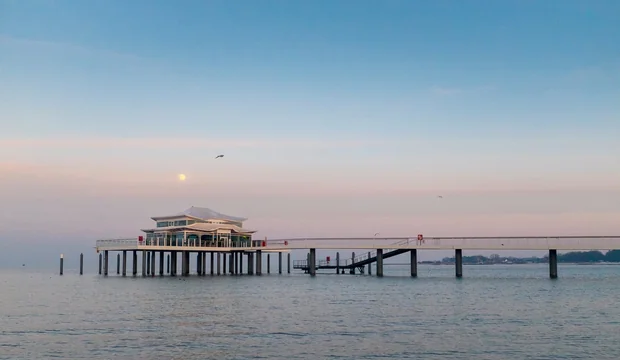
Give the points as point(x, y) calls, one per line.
point(81, 263)
point(250, 263)
point(553, 264)
point(279, 263)
point(118, 264)
point(100, 263)
point(62, 259)
point(124, 262)
point(458, 261)
point(369, 265)
point(268, 263)
point(288, 260)
point(211, 264)
point(134, 263)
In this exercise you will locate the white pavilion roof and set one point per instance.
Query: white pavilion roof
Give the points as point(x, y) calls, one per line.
point(202, 227)
point(202, 214)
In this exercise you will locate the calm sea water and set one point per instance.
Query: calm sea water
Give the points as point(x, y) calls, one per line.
point(494, 312)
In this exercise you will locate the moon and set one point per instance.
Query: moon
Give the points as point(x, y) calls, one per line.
point(182, 177)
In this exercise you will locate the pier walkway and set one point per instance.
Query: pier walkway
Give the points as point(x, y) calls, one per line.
point(379, 249)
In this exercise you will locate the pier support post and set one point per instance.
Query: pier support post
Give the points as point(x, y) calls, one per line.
point(134, 263)
point(81, 263)
point(224, 263)
point(124, 262)
point(148, 263)
point(288, 261)
point(153, 263)
point(198, 264)
point(268, 263)
point(218, 263)
point(105, 263)
point(118, 264)
point(379, 262)
point(352, 269)
point(369, 265)
point(233, 263)
point(279, 263)
point(553, 264)
point(204, 263)
point(414, 263)
point(240, 263)
point(62, 263)
point(259, 262)
point(100, 263)
point(250, 263)
point(143, 263)
point(161, 263)
point(173, 263)
point(211, 263)
point(458, 260)
point(337, 263)
point(168, 264)
point(312, 262)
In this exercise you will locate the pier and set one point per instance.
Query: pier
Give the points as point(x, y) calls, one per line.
point(380, 250)
point(202, 233)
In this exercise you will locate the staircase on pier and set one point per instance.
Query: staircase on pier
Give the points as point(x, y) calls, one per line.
point(359, 262)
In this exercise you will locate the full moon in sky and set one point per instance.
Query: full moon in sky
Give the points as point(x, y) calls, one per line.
point(182, 177)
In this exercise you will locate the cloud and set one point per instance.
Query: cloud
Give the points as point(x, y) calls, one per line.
point(54, 46)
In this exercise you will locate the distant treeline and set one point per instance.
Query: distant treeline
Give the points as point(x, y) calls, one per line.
point(571, 257)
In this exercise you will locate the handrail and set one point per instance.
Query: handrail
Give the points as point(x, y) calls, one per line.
point(372, 254)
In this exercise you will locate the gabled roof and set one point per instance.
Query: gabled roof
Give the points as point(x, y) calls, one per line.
point(203, 227)
point(202, 214)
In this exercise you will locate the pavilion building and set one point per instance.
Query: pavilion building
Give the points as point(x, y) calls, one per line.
point(200, 227)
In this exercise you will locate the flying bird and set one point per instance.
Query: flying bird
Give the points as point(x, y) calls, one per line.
point(219, 156)
point(440, 197)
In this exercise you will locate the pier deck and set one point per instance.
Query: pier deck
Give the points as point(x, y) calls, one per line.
point(381, 248)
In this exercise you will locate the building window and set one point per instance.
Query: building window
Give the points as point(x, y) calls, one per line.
point(180, 223)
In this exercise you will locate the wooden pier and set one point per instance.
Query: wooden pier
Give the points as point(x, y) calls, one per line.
point(380, 249)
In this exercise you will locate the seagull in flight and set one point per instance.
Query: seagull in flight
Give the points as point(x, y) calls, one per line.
point(440, 197)
point(219, 156)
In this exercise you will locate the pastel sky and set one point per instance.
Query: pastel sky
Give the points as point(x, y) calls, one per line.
point(336, 118)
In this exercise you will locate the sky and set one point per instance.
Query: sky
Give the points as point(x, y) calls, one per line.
point(336, 118)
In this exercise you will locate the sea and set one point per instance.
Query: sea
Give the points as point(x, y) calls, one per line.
point(493, 312)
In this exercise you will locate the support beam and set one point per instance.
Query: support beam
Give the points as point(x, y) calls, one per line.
point(414, 263)
point(173, 263)
point(458, 262)
point(124, 262)
point(105, 263)
point(100, 263)
point(259, 262)
point(152, 263)
point(143, 263)
point(379, 262)
point(250, 263)
point(240, 263)
point(161, 263)
point(204, 263)
point(212, 263)
point(148, 263)
point(134, 263)
point(224, 263)
point(280, 263)
point(312, 262)
point(369, 265)
point(198, 264)
point(288, 260)
point(553, 264)
point(218, 263)
point(268, 263)
point(82, 264)
point(118, 264)
point(352, 269)
point(337, 263)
